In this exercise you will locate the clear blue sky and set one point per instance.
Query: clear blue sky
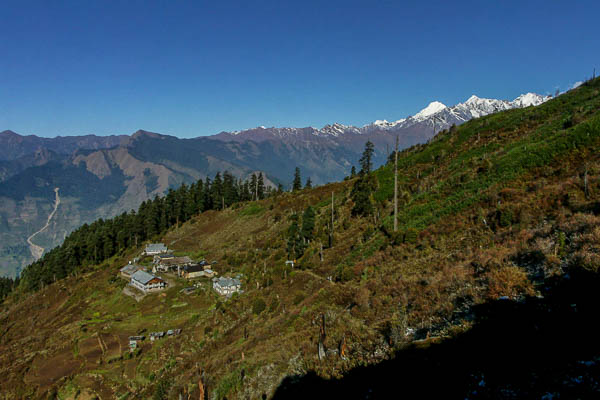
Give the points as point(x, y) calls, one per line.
point(196, 68)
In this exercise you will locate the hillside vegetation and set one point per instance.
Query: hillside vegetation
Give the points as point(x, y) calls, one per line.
point(486, 290)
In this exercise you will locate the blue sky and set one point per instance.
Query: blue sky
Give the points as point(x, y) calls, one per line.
point(196, 68)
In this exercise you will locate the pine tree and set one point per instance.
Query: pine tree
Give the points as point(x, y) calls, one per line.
point(253, 184)
point(353, 172)
point(229, 190)
point(207, 194)
point(297, 185)
point(308, 184)
point(308, 224)
point(361, 195)
point(294, 243)
point(217, 192)
point(366, 161)
point(260, 186)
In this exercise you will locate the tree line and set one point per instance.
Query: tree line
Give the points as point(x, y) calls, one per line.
point(96, 242)
point(6, 286)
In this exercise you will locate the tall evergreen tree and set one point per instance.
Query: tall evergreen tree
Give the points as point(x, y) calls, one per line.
point(217, 192)
point(361, 195)
point(230, 194)
point(308, 184)
point(297, 185)
point(308, 224)
point(253, 187)
point(295, 246)
point(366, 161)
point(260, 186)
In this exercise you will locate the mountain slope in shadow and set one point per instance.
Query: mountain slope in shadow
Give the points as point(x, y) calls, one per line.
point(536, 348)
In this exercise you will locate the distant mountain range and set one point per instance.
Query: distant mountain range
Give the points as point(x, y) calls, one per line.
point(101, 176)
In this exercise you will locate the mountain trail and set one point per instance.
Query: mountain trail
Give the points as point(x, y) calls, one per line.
point(37, 251)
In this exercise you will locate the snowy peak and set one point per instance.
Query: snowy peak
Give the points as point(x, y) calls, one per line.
point(529, 99)
point(433, 108)
point(433, 118)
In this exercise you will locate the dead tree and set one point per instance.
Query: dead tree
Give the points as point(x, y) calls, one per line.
point(396, 187)
point(322, 336)
point(331, 228)
point(585, 182)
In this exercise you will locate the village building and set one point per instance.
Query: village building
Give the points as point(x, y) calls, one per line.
point(196, 271)
point(156, 335)
point(133, 341)
point(161, 257)
point(147, 282)
point(155, 248)
point(129, 270)
point(227, 286)
point(170, 264)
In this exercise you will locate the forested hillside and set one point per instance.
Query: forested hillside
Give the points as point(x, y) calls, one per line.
point(93, 243)
point(485, 290)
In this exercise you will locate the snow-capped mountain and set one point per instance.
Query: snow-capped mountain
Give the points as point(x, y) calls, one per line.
point(430, 120)
point(442, 117)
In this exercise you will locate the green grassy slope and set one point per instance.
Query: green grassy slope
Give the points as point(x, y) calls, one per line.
point(502, 207)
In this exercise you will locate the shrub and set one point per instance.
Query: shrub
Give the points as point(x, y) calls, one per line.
point(298, 298)
point(258, 306)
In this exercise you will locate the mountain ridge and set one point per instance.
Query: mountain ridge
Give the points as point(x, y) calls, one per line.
point(101, 177)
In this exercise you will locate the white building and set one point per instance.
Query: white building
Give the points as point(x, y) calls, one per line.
point(226, 286)
point(155, 248)
point(147, 282)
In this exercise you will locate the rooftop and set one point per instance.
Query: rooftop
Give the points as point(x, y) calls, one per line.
point(194, 268)
point(156, 247)
point(143, 277)
point(130, 268)
point(224, 282)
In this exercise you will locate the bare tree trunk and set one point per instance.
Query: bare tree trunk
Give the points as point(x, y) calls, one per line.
point(396, 187)
point(331, 232)
point(321, 251)
point(322, 336)
point(585, 182)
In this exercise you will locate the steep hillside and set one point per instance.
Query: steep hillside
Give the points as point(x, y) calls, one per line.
point(110, 175)
point(486, 291)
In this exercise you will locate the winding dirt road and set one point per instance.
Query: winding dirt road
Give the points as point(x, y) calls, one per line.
point(37, 251)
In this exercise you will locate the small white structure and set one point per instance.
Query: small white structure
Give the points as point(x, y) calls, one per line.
point(147, 282)
point(226, 286)
point(155, 248)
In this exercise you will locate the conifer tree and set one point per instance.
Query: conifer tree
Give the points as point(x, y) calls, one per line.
point(260, 186)
point(208, 204)
point(308, 184)
point(229, 190)
point(253, 185)
point(308, 224)
point(295, 247)
point(366, 160)
point(217, 192)
point(353, 172)
point(297, 185)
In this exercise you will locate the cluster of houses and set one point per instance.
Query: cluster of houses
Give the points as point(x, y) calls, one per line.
point(134, 340)
point(184, 267)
